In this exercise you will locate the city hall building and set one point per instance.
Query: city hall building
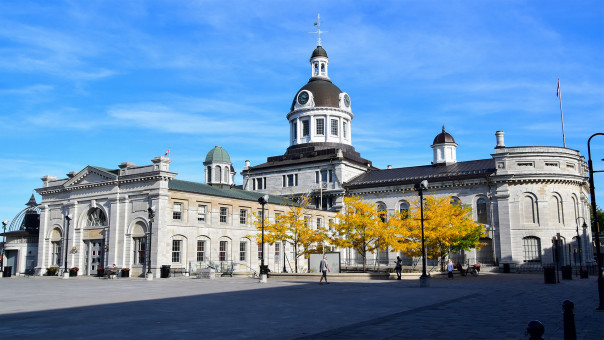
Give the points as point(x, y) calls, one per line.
point(96, 217)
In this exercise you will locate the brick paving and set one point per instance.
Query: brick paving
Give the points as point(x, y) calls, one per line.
point(490, 306)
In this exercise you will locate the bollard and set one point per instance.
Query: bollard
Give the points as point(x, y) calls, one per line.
point(535, 329)
point(570, 332)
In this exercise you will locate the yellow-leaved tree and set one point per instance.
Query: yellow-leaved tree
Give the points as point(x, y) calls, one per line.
point(293, 227)
point(361, 227)
point(448, 227)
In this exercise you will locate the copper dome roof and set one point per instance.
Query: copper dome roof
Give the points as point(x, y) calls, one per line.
point(325, 93)
point(443, 137)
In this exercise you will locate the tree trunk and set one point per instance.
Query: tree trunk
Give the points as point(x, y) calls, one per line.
point(296, 256)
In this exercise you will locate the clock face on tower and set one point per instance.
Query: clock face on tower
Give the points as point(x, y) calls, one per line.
point(346, 100)
point(303, 97)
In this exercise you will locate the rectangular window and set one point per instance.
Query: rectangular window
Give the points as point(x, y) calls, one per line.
point(323, 176)
point(224, 212)
point(320, 126)
point(284, 181)
point(176, 249)
point(222, 254)
point(277, 251)
point(260, 252)
point(243, 216)
point(202, 210)
point(305, 128)
point(139, 250)
point(292, 180)
point(334, 127)
point(319, 222)
point(344, 130)
point(317, 174)
point(306, 221)
point(259, 181)
point(242, 251)
point(331, 225)
point(201, 251)
point(177, 211)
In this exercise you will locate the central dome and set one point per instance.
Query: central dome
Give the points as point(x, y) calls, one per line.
point(324, 92)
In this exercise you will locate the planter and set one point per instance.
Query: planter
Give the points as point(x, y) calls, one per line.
point(584, 274)
point(567, 273)
point(125, 273)
point(73, 273)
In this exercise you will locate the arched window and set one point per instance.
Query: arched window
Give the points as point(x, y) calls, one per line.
point(404, 209)
point(529, 209)
point(481, 210)
point(209, 175)
point(217, 174)
point(96, 217)
point(575, 207)
point(55, 240)
point(381, 208)
point(531, 249)
point(226, 174)
point(139, 240)
point(555, 208)
point(455, 200)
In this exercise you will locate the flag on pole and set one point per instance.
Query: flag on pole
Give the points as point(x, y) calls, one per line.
point(558, 90)
point(559, 95)
point(167, 153)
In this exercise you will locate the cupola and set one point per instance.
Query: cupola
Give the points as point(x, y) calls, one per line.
point(218, 167)
point(445, 148)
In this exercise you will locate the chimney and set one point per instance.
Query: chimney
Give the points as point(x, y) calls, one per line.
point(500, 143)
point(247, 164)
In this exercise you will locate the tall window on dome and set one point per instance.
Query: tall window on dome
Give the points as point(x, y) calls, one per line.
point(344, 129)
point(209, 176)
point(334, 127)
point(305, 128)
point(320, 126)
point(226, 174)
point(316, 67)
point(295, 130)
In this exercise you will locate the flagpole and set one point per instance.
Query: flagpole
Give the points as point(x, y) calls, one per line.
point(561, 114)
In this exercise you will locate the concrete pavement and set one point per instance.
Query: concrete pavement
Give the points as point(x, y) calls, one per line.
point(490, 306)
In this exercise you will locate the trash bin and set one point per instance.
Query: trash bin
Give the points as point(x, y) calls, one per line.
point(567, 273)
point(506, 267)
point(7, 271)
point(549, 274)
point(165, 271)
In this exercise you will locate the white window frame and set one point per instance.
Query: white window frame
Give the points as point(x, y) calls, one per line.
point(202, 211)
point(177, 212)
point(176, 251)
point(224, 217)
point(200, 254)
point(243, 216)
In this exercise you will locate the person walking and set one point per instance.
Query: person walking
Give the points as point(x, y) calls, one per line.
point(324, 269)
point(398, 267)
point(450, 268)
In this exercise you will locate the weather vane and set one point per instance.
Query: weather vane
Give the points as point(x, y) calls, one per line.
point(318, 31)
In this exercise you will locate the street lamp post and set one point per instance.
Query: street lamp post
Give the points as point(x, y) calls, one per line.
point(580, 246)
point(263, 200)
point(284, 242)
point(4, 224)
point(424, 280)
point(68, 219)
point(595, 226)
point(149, 275)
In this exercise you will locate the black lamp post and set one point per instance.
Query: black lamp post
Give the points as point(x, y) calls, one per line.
point(579, 241)
point(424, 280)
point(263, 200)
point(151, 216)
point(67, 218)
point(4, 224)
point(284, 242)
point(595, 226)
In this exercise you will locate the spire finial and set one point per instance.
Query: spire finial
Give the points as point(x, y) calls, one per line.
point(443, 128)
point(318, 31)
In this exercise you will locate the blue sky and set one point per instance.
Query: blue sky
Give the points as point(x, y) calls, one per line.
point(104, 82)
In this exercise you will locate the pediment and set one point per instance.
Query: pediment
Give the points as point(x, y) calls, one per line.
point(90, 175)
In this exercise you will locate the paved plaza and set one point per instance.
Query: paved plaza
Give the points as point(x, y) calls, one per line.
point(490, 306)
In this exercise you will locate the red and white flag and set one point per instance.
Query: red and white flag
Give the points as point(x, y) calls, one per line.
point(167, 153)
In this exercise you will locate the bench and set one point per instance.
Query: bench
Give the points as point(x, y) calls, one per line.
point(181, 271)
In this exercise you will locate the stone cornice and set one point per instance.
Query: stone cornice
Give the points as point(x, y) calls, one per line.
point(118, 182)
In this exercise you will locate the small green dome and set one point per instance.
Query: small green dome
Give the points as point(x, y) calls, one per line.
point(218, 154)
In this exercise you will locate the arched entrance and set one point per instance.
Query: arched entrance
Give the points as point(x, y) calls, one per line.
point(94, 239)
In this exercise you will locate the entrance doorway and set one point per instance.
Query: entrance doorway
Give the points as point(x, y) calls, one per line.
point(11, 260)
point(95, 256)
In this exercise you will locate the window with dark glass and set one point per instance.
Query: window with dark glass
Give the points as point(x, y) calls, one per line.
point(305, 128)
point(320, 126)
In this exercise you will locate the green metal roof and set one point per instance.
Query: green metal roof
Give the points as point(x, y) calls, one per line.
point(206, 189)
point(218, 154)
